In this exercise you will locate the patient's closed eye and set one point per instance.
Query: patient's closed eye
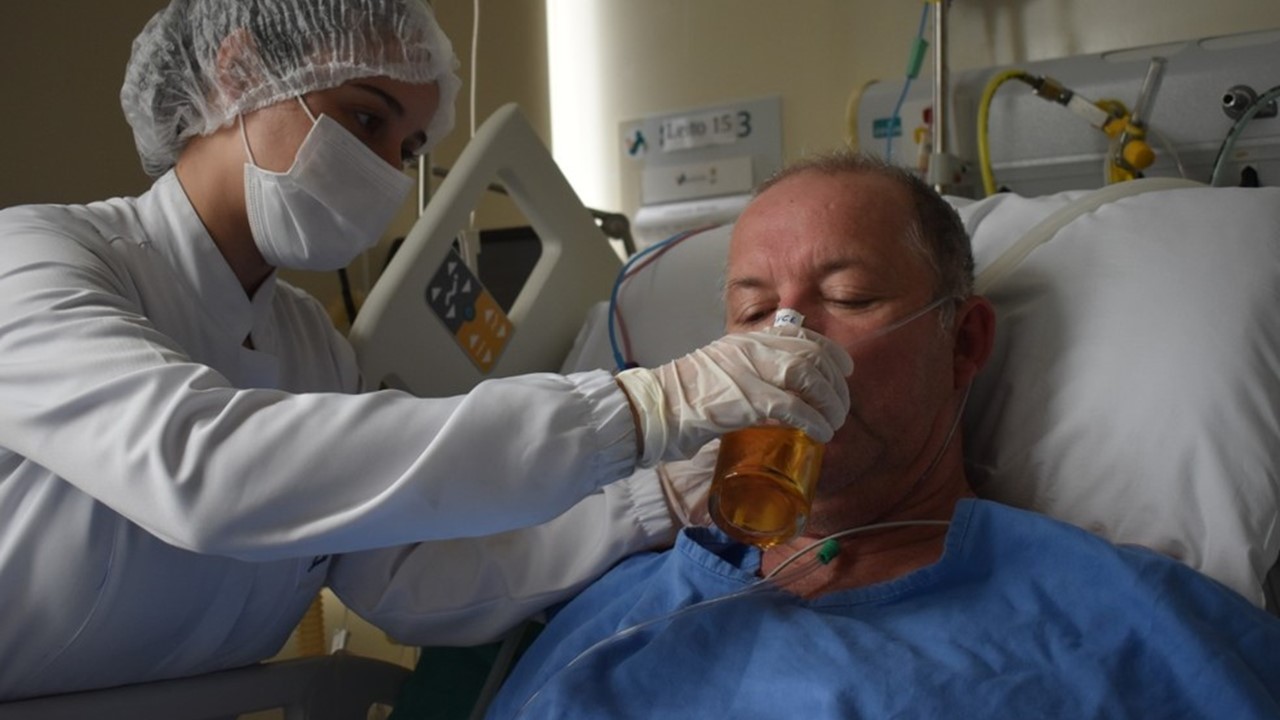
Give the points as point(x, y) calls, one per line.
point(859, 303)
point(754, 315)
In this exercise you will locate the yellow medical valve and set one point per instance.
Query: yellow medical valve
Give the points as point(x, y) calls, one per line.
point(1138, 154)
point(1108, 116)
point(1130, 153)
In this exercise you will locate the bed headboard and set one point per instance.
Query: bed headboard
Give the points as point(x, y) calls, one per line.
point(430, 327)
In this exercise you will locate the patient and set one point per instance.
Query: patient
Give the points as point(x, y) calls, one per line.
point(1002, 613)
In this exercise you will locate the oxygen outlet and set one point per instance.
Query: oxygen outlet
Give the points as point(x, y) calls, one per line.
point(1239, 98)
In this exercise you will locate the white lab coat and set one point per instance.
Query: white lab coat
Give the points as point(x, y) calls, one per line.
point(169, 499)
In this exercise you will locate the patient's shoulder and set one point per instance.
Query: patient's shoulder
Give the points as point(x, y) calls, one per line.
point(1025, 549)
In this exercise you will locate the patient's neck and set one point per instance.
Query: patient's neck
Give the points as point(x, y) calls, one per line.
point(877, 555)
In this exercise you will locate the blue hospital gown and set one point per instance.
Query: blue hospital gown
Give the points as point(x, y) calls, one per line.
point(1022, 617)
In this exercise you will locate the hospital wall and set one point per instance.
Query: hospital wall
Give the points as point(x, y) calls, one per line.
point(62, 61)
point(611, 61)
point(619, 61)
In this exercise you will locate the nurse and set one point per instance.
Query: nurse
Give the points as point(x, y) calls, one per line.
point(183, 460)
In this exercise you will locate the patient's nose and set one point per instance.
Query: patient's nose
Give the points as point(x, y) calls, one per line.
point(814, 318)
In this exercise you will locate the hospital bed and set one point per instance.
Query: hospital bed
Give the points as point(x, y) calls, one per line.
point(1134, 389)
point(335, 687)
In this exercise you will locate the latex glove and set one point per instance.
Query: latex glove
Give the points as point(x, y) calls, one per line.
point(788, 374)
point(687, 485)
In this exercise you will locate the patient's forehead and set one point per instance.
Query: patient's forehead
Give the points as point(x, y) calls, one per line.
point(815, 215)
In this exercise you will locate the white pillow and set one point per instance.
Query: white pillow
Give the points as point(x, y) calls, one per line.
point(670, 307)
point(1135, 385)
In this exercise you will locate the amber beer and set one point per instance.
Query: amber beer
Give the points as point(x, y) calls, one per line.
point(764, 483)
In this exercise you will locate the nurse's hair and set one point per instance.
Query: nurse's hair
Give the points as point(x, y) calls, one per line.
point(198, 64)
point(935, 232)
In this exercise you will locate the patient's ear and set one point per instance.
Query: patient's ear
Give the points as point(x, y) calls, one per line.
point(975, 336)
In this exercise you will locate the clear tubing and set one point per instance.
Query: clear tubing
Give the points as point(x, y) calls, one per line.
point(1147, 95)
point(1169, 148)
point(1116, 166)
point(918, 48)
point(769, 583)
point(776, 578)
point(911, 317)
point(1109, 160)
point(1236, 129)
point(881, 332)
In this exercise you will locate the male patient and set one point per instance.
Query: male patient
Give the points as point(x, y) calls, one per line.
point(1003, 613)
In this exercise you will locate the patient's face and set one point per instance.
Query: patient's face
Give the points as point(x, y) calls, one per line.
point(833, 248)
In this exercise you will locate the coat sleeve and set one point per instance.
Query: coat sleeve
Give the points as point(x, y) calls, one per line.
point(469, 591)
point(93, 392)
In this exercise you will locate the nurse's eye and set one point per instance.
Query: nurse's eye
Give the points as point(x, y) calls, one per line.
point(368, 121)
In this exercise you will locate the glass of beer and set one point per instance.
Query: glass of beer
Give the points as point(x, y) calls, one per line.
point(764, 483)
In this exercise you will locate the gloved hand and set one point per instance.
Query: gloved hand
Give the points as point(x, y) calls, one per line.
point(687, 485)
point(788, 374)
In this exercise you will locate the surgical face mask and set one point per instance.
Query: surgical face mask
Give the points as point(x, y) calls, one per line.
point(333, 203)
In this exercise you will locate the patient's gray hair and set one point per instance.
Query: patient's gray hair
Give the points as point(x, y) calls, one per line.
point(936, 232)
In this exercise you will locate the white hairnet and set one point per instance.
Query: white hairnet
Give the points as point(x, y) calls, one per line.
point(200, 63)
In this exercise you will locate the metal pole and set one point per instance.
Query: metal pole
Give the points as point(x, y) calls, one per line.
point(941, 80)
point(940, 77)
point(424, 182)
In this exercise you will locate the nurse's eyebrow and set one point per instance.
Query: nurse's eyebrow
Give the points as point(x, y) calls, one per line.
point(387, 97)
